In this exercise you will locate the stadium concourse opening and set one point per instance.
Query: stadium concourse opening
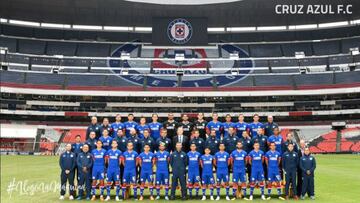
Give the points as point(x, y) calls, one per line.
point(129, 100)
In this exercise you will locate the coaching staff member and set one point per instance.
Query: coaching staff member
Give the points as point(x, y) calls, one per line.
point(178, 163)
point(67, 165)
point(84, 163)
point(290, 160)
point(307, 165)
point(180, 137)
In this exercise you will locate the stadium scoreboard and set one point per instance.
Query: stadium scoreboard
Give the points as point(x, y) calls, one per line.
point(178, 31)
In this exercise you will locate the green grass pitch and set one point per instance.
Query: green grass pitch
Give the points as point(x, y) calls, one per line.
point(35, 179)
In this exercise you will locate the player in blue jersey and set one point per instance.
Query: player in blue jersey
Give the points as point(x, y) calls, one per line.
point(216, 125)
point(277, 139)
point(117, 125)
point(227, 124)
point(241, 126)
point(98, 170)
point(272, 159)
point(106, 139)
point(254, 126)
point(238, 162)
point(113, 160)
point(222, 162)
point(141, 127)
point(193, 170)
point(161, 161)
point(207, 176)
point(129, 162)
point(256, 159)
point(145, 160)
point(130, 124)
point(155, 127)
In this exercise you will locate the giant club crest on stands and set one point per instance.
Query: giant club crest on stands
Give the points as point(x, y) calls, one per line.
point(195, 74)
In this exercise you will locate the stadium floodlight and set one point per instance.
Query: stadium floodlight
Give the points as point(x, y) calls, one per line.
point(3, 50)
point(180, 72)
point(26, 23)
point(333, 24)
point(55, 25)
point(216, 29)
point(271, 28)
point(234, 71)
point(59, 56)
point(125, 56)
point(234, 56)
point(118, 28)
point(87, 27)
point(354, 51)
point(299, 55)
point(143, 29)
point(125, 71)
point(338, 125)
point(302, 27)
point(355, 22)
point(240, 29)
point(179, 57)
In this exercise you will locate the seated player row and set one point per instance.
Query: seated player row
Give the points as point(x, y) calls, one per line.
point(204, 127)
point(101, 163)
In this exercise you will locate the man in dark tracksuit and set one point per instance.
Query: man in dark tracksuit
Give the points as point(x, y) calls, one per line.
point(67, 164)
point(76, 148)
point(147, 140)
point(198, 141)
point(230, 141)
point(84, 163)
point(212, 142)
point(178, 163)
point(164, 139)
point(307, 165)
point(93, 127)
point(91, 142)
point(290, 160)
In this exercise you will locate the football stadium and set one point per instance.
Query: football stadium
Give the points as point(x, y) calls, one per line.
point(180, 100)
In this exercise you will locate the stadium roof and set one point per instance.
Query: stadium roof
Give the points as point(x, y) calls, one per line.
point(130, 13)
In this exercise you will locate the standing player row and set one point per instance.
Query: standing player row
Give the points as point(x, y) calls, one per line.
point(221, 161)
point(171, 126)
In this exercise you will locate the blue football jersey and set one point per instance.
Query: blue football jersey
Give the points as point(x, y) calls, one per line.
point(273, 159)
point(278, 140)
point(106, 142)
point(99, 157)
point(240, 128)
point(114, 158)
point(194, 158)
point(256, 159)
point(146, 161)
point(217, 126)
point(155, 130)
point(226, 127)
point(162, 164)
point(128, 126)
point(116, 126)
point(222, 159)
point(130, 160)
point(207, 163)
point(239, 158)
point(254, 128)
point(140, 129)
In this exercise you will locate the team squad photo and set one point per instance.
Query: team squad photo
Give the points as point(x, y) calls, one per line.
point(202, 156)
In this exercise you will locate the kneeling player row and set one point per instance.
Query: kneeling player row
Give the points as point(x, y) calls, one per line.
point(98, 159)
